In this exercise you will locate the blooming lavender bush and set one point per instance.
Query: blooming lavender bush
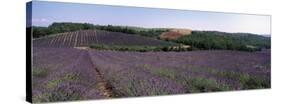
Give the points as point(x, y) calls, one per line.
point(70, 75)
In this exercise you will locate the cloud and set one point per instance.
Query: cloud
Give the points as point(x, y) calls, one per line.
point(40, 20)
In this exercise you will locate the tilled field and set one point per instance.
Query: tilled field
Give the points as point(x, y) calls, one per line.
point(87, 37)
point(62, 73)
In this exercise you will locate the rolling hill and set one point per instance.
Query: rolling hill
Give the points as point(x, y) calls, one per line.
point(84, 38)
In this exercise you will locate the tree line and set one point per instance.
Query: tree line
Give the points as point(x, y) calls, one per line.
point(68, 27)
point(210, 40)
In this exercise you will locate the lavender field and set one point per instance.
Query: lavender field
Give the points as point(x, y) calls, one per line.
point(62, 73)
point(84, 38)
point(154, 73)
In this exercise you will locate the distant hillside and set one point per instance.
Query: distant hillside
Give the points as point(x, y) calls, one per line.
point(85, 38)
point(209, 40)
point(265, 35)
point(197, 40)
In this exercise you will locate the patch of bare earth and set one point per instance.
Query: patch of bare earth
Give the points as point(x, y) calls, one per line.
point(174, 34)
point(182, 31)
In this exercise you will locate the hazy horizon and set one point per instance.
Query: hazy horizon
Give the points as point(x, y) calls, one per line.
point(45, 13)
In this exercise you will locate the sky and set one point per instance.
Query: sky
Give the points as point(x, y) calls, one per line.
point(45, 13)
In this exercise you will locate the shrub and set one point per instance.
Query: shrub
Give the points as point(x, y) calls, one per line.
point(67, 92)
point(199, 84)
point(254, 82)
point(39, 72)
point(247, 81)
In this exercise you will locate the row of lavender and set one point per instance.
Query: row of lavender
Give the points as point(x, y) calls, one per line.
point(63, 74)
point(68, 74)
point(160, 73)
point(85, 38)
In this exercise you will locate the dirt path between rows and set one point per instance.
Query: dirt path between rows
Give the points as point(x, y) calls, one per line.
point(104, 86)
